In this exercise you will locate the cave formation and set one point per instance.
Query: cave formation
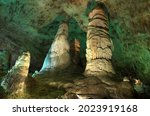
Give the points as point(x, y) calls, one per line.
point(98, 51)
point(59, 53)
point(72, 53)
point(14, 82)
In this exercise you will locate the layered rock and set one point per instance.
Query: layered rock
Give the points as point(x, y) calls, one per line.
point(99, 45)
point(14, 82)
point(58, 56)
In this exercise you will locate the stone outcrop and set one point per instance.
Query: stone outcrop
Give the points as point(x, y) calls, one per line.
point(58, 56)
point(14, 82)
point(99, 45)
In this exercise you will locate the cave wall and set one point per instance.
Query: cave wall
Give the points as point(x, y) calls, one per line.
point(130, 32)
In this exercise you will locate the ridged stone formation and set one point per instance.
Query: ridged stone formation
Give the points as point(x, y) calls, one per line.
point(58, 56)
point(99, 45)
point(14, 82)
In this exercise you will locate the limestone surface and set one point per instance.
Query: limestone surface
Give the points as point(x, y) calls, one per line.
point(99, 50)
point(58, 56)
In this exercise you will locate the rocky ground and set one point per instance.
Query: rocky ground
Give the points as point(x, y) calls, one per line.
point(71, 84)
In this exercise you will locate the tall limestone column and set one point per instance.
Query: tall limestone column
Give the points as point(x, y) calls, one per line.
point(58, 56)
point(99, 45)
point(14, 82)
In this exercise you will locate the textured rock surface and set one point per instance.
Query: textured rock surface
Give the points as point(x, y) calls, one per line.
point(14, 82)
point(76, 86)
point(58, 56)
point(4, 61)
point(47, 11)
point(93, 88)
point(98, 52)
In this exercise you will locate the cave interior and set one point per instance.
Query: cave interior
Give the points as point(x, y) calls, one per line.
point(106, 57)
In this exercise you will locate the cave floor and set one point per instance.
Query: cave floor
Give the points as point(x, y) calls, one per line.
point(50, 85)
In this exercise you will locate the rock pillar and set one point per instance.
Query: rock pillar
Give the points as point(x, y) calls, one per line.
point(58, 56)
point(98, 52)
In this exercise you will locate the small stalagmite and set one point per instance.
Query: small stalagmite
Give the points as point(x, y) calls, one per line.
point(58, 56)
point(14, 82)
point(75, 52)
point(99, 45)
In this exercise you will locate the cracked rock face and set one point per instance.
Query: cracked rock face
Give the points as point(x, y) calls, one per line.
point(98, 52)
point(14, 82)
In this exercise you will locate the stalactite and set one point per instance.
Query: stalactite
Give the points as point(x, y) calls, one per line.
point(14, 82)
point(58, 56)
point(99, 45)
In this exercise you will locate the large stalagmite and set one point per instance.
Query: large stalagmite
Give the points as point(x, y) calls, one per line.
point(99, 45)
point(58, 56)
point(14, 82)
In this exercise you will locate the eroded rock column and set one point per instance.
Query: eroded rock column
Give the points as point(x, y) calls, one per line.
point(58, 56)
point(14, 82)
point(99, 45)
